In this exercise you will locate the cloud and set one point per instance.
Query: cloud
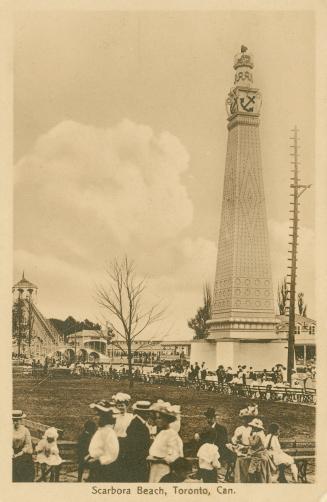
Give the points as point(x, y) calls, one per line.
point(85, 195)
point(124, 182)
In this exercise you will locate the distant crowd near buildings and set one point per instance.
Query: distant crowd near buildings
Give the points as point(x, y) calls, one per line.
point(38, 339)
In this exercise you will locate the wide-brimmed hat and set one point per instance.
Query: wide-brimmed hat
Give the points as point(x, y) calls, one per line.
point(141, 406)
point(16, 414)
point(166, 408)
point(121, 397)
point(256, 422)
point(104, 407)
point(210, 413)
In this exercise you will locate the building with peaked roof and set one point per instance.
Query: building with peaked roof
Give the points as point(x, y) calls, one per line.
point(33, 335)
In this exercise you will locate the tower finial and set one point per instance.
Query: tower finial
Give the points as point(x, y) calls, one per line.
point(243, 48)
point(23, 277)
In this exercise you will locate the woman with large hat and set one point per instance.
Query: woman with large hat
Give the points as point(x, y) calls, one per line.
point(167, 445)
point(241, 436)
point(261, 465)
point(104, 446)
point(121, 401)
point(22, 462)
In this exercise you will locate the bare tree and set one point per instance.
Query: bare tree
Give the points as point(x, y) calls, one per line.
point(282, 296)
point(123, 299)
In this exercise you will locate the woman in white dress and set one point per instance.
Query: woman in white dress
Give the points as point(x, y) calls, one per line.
point(22, 462)
point(278, 455)
point(104, 445)
point(121, 402)
point(167, 445)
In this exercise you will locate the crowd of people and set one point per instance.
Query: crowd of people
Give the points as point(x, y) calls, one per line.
point(140, 442)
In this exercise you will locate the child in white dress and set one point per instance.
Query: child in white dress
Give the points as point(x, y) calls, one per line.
point(208, 456)
point(48, 453)
point(278, 455)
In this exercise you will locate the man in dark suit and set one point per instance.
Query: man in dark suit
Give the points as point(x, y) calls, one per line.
point(221, 440)
point(137, 444)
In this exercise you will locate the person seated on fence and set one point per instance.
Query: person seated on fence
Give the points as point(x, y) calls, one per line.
point(167, 445)
point(203, 371)
point(83, 444)
point(104, 445)
point(196, 371)
point(220, 372)
point(261, 465)
point(48, 454)
point(279, 375)
point(244, 372)
point(278, 455)
point(236, 380)
point(208, 456)
point(179, 471)
point(229, 375)
point(22, 461)
point(241, 436)
point(252, 376)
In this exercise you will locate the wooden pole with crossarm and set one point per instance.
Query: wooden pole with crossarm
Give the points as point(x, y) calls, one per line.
point(297, 191)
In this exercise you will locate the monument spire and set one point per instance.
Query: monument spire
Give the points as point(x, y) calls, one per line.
point(243, 307)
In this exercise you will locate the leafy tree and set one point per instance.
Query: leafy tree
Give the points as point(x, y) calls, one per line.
point(19, 326)
point(282, 297)
point(123, 302)
point(198, 323)
point(71, 325)
point(300, 303)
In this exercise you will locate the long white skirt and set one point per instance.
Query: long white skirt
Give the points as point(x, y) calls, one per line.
point(157, 471)
point(280, 457)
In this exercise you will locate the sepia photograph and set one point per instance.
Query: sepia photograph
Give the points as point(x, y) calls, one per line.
point(164, 295)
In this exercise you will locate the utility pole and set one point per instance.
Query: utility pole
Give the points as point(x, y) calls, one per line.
point(297, 191)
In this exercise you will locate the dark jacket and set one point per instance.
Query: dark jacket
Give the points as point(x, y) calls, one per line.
point(220, 441)
point(137, 444)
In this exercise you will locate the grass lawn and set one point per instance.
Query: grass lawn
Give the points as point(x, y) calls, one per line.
point(64, 403)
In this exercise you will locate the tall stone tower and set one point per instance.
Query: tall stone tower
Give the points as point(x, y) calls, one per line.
point(243, 309)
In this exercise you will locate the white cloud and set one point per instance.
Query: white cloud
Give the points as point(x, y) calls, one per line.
point(124, 181)
point(85, 195)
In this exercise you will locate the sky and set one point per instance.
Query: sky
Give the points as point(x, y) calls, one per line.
point(120, 138)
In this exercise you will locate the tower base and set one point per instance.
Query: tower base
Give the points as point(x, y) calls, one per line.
point(259, 353)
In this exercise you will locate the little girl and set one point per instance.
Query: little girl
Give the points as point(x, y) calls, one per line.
point(48, 453)
point(208, 456)
point(279, 457)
